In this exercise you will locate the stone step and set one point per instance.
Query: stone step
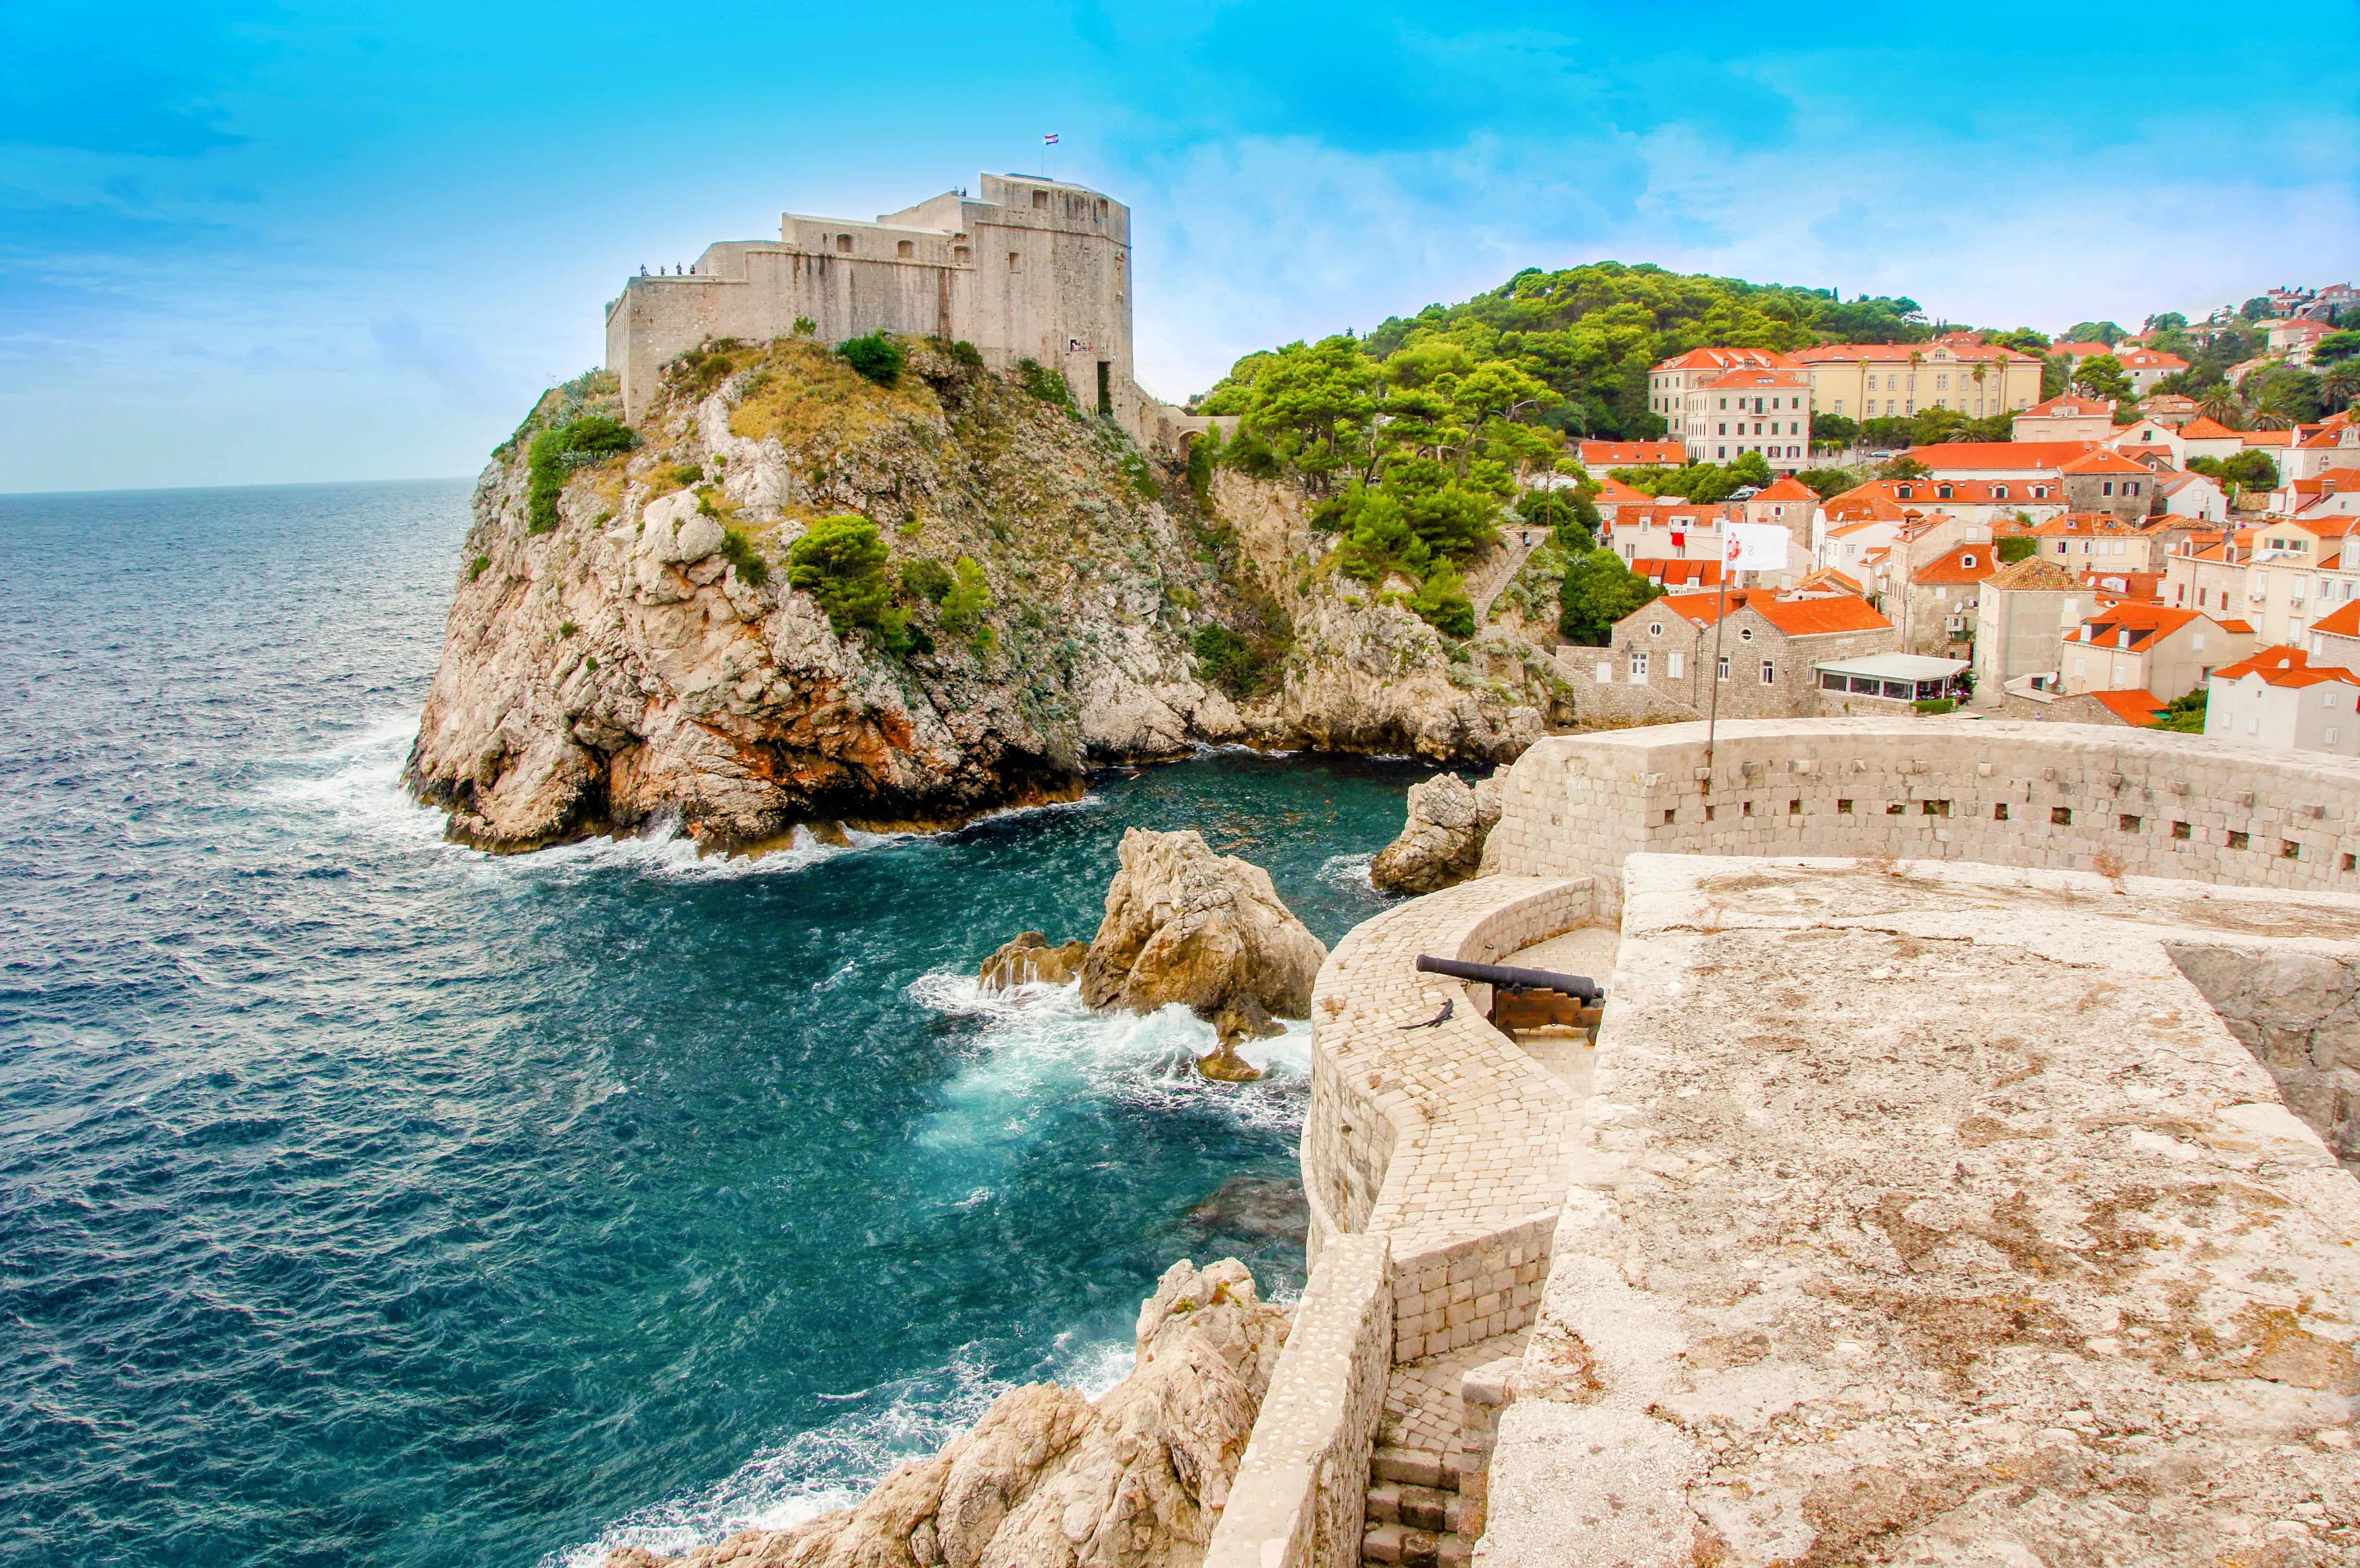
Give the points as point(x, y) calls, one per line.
point(1420, 1508)
point(1413, 1467)
point(1405, 1547)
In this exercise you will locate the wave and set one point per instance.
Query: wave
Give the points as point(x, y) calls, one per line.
point(1039, 1049)
point(1348, 871)
point(835, 1465)
point(358, 783)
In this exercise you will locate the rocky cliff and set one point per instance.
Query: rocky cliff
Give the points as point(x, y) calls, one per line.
point(1048, 1480)
point(627, 638)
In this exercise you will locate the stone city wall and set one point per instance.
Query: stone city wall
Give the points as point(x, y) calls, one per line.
point(1301, 1491)
point(2059, 797)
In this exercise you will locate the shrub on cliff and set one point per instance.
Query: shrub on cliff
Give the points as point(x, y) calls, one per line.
point(876, 356)
point(964, 605)
point(841, 563)
point(1227, 660)
point(1043, 383)
point(927, 580)
point(1598, 591)
point(738, 550)
point(555, 454)
point(1441, 602)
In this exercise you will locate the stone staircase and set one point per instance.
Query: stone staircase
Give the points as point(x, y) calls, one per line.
point(1427, 1479)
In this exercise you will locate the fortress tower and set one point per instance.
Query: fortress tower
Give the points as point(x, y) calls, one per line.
point(1029, 269)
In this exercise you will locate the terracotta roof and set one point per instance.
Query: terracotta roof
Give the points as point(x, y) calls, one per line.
point(2202, 428)
point(2067, 407)
point(2033, 574)
point(2145, 623)
point(1634, 454)
point(2001, 454)
point(2131, 707)
point(1828, 577)
point(2093, 523)
point(1892, 354)
point(2267, 438)
point(2150, 359)
point(2140, 585)
point(1855, 527)
point(1968, 563)
point(1789, 488)
point(2342, 621)
point(1613, 492)
point(1814, 618)
point(2287, 667)
point(2104, 461)
point(1679, 573)
point(1725, 359)
point(1759, 378)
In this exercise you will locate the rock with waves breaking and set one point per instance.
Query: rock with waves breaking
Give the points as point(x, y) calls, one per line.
point(632, 639)
point(1029, 960)
point(1442, 843)
point(1046, 1479)
point(1183, 924)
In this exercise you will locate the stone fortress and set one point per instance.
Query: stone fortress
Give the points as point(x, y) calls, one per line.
point(1026, 269)
point(1952, 1177)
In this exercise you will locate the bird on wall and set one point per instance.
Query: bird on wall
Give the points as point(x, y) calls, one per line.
point(1441, 1017)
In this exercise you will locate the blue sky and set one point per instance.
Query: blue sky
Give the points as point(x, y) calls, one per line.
point(248, 243)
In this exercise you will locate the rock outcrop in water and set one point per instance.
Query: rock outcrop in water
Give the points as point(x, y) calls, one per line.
point(1029, 959)
point(1048, 1480)
point(1442, 843)
point(625, 639)
point(1186, 925)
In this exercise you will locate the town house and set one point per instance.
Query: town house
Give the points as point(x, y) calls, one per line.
point(2132, 646)
point(1766, 649)
point(2279, 698)
point(1874, 381)
point(2020, 612)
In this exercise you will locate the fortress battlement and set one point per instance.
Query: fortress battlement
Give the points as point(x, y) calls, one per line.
point(1026, 269)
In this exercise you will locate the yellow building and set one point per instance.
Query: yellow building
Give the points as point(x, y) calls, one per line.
point(1876, 381)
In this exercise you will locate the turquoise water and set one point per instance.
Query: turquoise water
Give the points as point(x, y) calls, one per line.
point(370, 1201)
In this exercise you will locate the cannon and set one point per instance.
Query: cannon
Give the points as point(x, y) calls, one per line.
point(1525, 999)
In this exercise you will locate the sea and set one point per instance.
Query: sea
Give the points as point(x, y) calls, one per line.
point(370, 1201)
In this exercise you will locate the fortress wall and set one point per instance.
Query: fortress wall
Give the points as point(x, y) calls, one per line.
point(2074, 798)
point(1301, 1490)
point(1445, 1139)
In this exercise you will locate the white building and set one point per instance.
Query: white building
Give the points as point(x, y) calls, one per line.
point(2279, 698)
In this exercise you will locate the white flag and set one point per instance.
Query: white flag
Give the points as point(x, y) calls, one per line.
point(1756, 547)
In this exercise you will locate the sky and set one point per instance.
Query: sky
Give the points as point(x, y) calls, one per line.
point(247, 243)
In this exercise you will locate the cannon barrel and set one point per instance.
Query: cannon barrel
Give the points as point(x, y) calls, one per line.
point(1500, 974)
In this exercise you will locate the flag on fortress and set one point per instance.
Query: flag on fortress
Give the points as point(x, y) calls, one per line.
point(1049, 140)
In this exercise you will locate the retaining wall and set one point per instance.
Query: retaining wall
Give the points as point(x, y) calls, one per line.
point(2054, 796)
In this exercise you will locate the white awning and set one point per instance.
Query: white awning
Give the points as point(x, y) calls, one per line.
point(1895, 667)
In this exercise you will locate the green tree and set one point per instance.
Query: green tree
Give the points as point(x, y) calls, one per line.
point(840, 562)
point(1227, 661)
point(1441, 602)
point(1598, 591)
point(2257, 309)
point(1905, 467)
point(1831, 432)
point(967, 601)
point(2340, 383)
point(2336, 346)
point(2183, 713)
point(555, 454)
point(2013, 548)
point(2106, 332)
point(2284, 395)
point(2101, 376)
point(1830, 481)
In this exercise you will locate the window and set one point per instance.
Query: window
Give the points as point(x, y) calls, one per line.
point(1724, 666)
point(904, 249)
point(843, 243)
point(1745, 634)
point(1967, 562)
point(2330, 734)
point(1040, 201)
point(1999, 813)
point(2128, 823)
point(1638, 664)
point(1933, 808)
point(1769, 672)
point(2240, 838)
point(1654, 628)
point(1014, 257)
point(2061, 816)
point(1676, 663)
point(2289, 850)
point(2181, 830)
point(959, 253)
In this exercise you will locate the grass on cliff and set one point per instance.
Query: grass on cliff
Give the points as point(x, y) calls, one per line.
point(808, 392)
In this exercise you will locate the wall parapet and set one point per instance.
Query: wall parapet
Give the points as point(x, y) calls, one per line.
point(1301, 1487)
point(2088, 798)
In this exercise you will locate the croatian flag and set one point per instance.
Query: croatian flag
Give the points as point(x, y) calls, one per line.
point(1049, 140)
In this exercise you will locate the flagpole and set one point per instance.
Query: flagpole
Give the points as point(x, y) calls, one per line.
point(1712, 719)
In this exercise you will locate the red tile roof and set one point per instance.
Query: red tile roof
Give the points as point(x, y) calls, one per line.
point(2069, 407)
point(1796, 617)
point(1758, 379)
point(2342, 621)
point(1968, 563)
point(1898, 353)
point(1726, 359)
point(1613, 492)
point(2131, 707)
point(2104, 461)
point(2147, 624)
point(1789, 488)
point(2286, 666)
point(2150, 359)
point(2204, 428)
point(2000, 454)
point(1634, 454)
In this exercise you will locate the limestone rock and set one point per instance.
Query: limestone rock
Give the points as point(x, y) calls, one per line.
point(1224, 1065)
point(1029, 959)
point(1186, 925)
point(1442, 843)
point(1046, 1479)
